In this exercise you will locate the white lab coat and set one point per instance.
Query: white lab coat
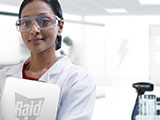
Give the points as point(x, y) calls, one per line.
point(77, 95)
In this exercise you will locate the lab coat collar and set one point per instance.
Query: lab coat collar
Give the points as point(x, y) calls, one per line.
point(16, 71)
point(59, 65)
point(55, 68)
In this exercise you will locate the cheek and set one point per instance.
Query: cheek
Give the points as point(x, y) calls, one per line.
point(52, 34)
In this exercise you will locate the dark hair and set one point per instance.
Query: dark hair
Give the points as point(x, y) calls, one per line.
point(56, 7)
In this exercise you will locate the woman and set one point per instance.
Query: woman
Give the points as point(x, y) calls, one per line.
point(40, 24)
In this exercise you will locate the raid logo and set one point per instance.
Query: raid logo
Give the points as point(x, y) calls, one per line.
point(28, 108)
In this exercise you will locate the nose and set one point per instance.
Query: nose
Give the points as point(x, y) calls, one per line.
point(35, 29)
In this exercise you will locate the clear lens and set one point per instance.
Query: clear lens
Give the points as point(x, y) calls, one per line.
point(44, 21)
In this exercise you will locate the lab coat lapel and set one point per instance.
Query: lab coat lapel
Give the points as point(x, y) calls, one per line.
point(15, 71)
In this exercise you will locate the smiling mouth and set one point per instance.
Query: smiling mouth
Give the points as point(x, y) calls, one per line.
point(37, 39)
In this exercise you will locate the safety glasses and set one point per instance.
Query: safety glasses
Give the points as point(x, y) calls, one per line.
point(42, 21)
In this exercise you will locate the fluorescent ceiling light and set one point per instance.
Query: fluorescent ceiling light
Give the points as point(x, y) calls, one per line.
point(9, 8)
point(116, 10)
point(149, 2)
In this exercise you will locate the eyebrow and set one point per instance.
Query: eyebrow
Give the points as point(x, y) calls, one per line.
point(36, 15)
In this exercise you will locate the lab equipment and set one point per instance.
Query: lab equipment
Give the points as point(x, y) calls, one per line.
point(141, 88)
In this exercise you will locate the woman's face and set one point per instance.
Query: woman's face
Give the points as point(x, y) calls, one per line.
point(39, 40)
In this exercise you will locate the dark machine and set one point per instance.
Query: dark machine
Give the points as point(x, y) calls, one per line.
point(141, 88)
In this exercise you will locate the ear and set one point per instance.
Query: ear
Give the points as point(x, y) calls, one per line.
point(60, 28)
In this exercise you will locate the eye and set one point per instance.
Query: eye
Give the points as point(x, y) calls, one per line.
point(44, 21)
point(25, 23)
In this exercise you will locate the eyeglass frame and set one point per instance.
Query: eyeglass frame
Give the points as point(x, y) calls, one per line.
point(18, 23)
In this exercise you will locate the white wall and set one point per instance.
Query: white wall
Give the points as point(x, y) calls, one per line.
point(127, 49)
point(9, 42)
point(127, 36)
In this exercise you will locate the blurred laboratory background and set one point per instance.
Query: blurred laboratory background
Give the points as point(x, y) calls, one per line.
point(117, 41)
